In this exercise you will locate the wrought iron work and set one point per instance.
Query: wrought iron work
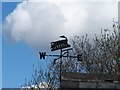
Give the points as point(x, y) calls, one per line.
point(60, 45)
point(42, 55)
point(78, 57)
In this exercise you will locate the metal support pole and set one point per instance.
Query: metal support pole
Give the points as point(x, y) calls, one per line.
point(60, 66)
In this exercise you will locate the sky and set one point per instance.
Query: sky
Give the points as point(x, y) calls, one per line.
point(0, 45)
point(28, 27)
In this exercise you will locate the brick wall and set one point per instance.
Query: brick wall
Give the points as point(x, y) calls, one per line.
point(81, 80)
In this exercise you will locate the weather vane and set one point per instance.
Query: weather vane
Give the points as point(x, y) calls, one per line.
point(60, 45)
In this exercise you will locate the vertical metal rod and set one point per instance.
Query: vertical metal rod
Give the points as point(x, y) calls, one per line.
point(60, 66)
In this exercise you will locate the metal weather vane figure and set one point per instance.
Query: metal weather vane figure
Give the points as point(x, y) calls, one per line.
point(60, 45)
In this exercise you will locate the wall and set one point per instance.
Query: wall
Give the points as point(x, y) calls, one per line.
point(101, 81)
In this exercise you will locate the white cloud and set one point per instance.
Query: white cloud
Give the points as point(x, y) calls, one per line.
point(34, 23)
point(41, 85)
point(39, 23)
point(119, 13)
point(77, 1)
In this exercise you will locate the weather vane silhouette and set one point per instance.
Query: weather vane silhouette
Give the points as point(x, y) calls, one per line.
point(60, 45)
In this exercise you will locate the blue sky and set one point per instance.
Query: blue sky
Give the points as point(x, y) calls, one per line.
point(0, 47)
point(34, 29)
point(17, 59)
